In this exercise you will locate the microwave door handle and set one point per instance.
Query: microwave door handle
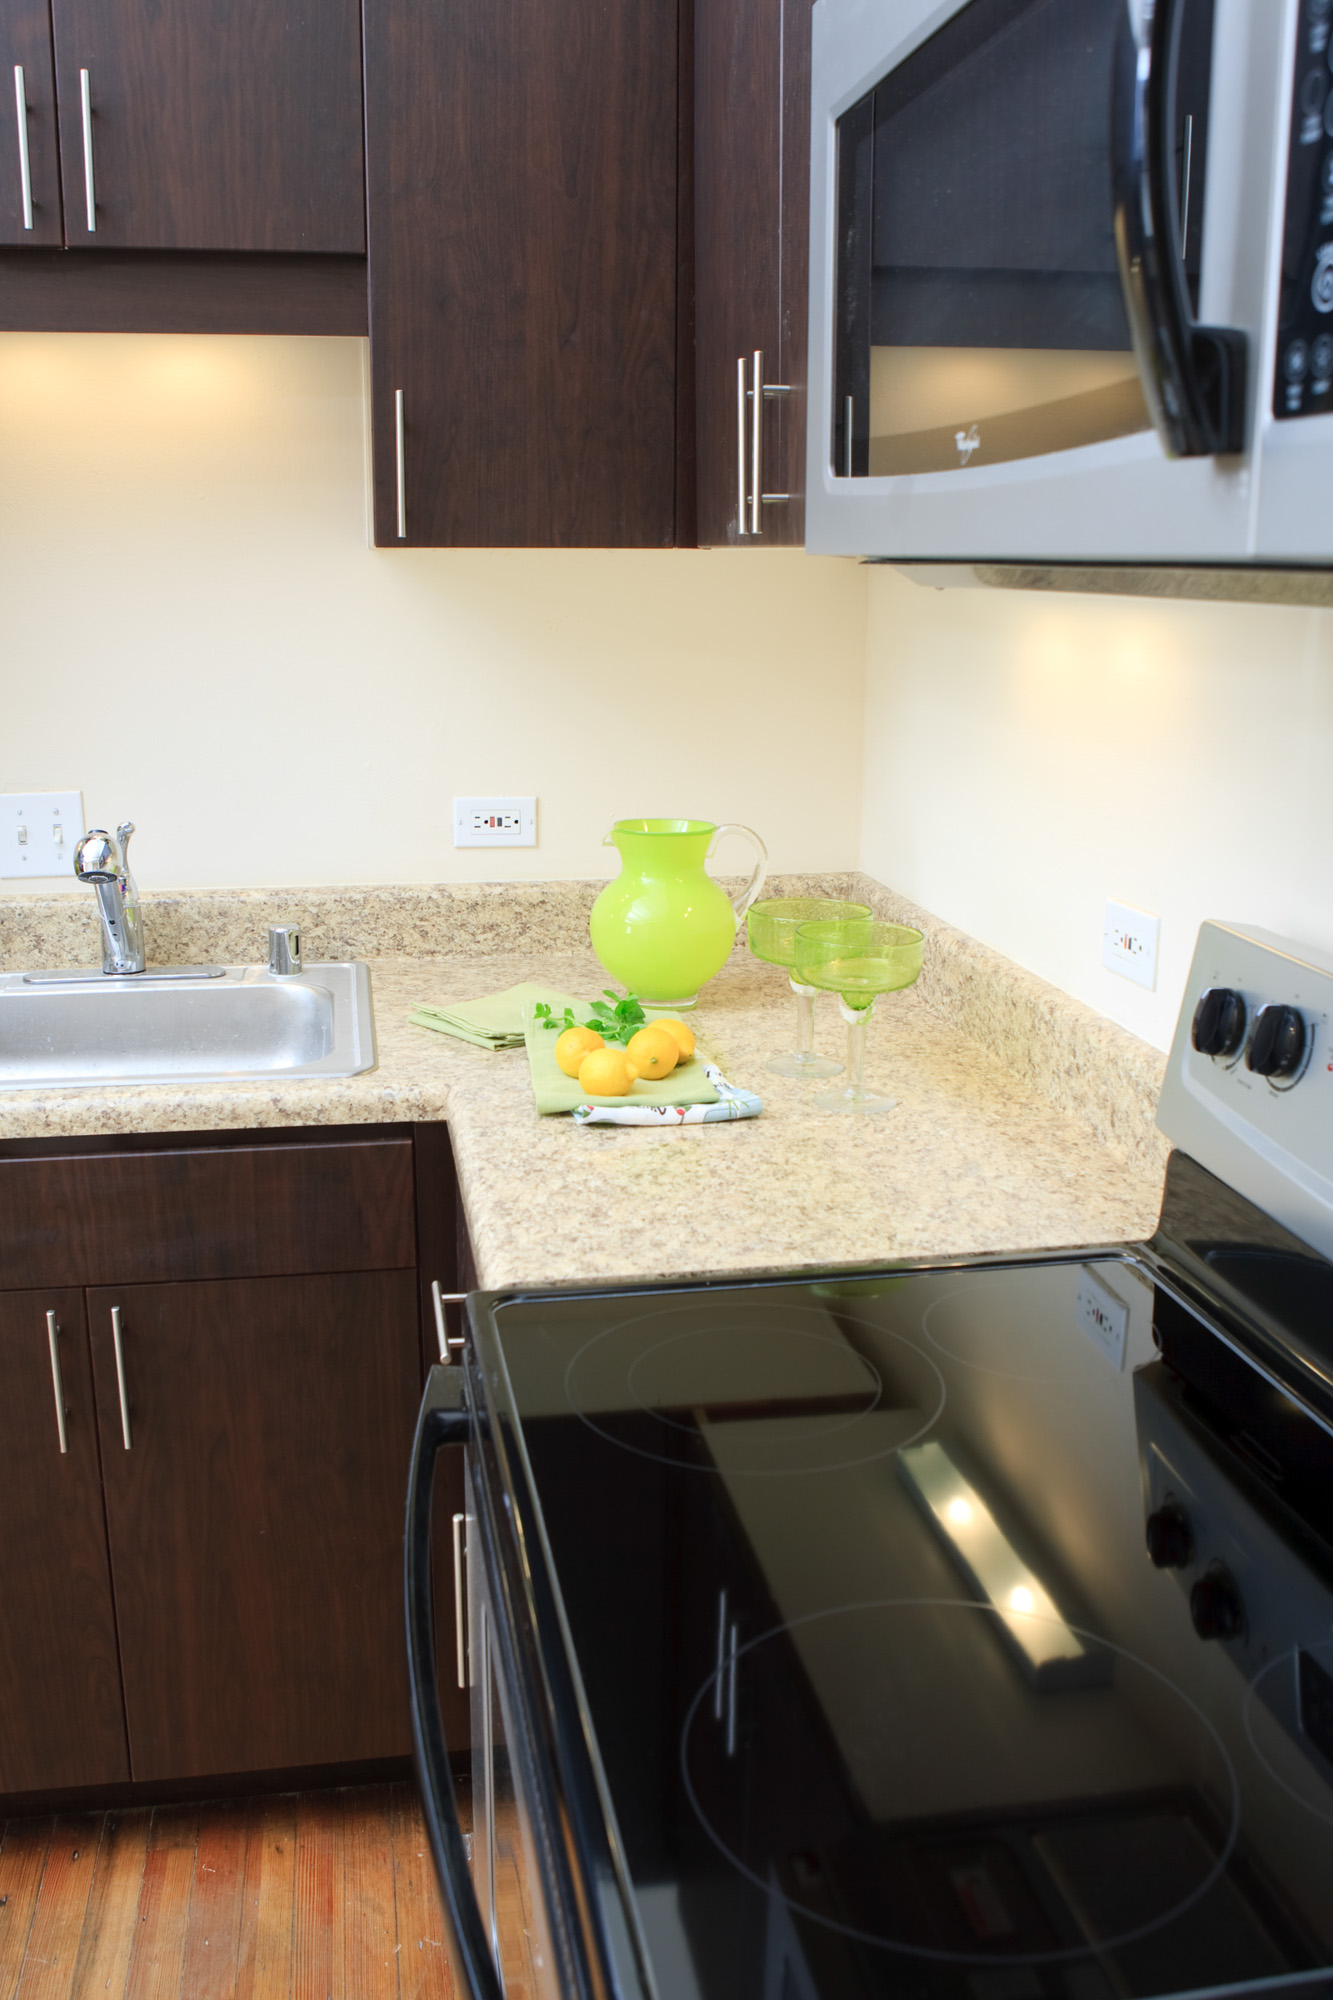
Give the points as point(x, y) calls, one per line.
point(443, 1420)
point(1194, 377)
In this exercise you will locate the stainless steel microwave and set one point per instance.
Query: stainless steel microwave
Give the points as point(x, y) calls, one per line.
point(1071, 281)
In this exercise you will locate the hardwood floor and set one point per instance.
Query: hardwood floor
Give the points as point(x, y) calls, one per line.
point(299, 1896)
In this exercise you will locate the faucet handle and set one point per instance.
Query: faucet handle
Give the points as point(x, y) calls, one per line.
point(123, 832)
point(97, 857)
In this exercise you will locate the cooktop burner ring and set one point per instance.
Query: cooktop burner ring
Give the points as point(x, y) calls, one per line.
point(876, 1383)
point(1073, 1374)
point(1255, 1705)
point(929, 1409)
point(767, 1883)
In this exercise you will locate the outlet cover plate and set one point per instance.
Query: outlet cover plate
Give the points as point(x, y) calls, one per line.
point(495, 822)
point(1129, 943)
point(38, 833)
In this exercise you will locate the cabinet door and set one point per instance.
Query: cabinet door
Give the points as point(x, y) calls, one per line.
point(737, 186)
point(29, 163)
point(60, 1709)
point(522, 243)
point(220, 125)
point(752, 96)
point(255, 1517)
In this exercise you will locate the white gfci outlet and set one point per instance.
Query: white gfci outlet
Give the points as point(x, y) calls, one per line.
point(495, 822)
point(1129, 943)
point(38, 832)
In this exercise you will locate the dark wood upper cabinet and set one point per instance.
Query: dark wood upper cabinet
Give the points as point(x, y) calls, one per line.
point(522, 167)
point(61, 1721)
point(29, 154)
point(751, 166)
point(216, 125)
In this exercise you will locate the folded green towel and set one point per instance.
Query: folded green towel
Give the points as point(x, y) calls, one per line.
point(496, 1020)
point(554, 1091)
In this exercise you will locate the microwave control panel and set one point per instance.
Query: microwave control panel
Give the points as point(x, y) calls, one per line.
point(1303, 385)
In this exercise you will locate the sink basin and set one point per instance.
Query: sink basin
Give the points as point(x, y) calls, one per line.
point(185, 1024)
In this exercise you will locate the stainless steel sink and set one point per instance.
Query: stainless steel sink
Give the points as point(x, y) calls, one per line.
point(186, 1024)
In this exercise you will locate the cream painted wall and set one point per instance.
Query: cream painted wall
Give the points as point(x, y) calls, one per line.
point(196, 634)
point(1026, 758)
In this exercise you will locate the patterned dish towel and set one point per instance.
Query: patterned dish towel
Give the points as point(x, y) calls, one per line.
point(731, 1103)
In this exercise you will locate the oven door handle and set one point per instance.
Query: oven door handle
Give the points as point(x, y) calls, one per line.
point(443, 1420)
point(1194, 377)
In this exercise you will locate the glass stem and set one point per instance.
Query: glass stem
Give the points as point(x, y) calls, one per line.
point(805, 1017)
point(857, 1019)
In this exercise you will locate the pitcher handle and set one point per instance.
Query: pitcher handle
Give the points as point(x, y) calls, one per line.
point(740, 904)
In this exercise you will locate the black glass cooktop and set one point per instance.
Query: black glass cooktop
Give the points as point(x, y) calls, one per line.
point(888, 1694)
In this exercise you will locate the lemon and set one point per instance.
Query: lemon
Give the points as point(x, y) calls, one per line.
point(683, 1036)
point(654, 1052)
point(574, 1045)
point(607, 1073)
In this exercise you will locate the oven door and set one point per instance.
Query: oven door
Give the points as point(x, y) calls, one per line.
point(498, 1891)
point(1038, 253)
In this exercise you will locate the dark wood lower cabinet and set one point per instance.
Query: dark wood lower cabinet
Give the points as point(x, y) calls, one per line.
point(255, 1521)
point(208, 1582)
point(61, 1721)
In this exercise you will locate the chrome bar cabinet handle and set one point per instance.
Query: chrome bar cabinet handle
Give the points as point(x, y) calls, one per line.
point(756, 413)
point(444, 1339)
point(458, 1597)
point(400, 447)
point(52, 1334)
point(769, 392)
point(25, 170)
point(89, 188)
point(120, 1376)
point(740, 446)
point(731, 1691)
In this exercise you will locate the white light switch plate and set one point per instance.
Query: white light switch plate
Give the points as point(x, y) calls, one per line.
point(1129, 943)
point(38, 832)
point(495, 822)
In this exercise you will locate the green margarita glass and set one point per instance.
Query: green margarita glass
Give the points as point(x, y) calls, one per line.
point(858, 960)
point(773, 924)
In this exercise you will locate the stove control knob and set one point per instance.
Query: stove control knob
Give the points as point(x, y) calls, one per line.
point(1215, 1606)
point(1277, 1046)
point(1219, 1022)
point(1170, 1539)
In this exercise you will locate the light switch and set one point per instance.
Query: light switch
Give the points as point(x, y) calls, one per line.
point(38, 831)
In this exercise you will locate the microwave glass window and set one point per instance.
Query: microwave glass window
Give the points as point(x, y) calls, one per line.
point(980, 313)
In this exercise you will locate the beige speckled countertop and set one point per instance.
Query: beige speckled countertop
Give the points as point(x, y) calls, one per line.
point(1024, 1120)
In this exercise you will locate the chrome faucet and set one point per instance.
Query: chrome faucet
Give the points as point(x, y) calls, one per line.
point(103, 859)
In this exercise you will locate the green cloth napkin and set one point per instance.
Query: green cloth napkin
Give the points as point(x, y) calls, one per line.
point(496, 1020)
point(554, 1091)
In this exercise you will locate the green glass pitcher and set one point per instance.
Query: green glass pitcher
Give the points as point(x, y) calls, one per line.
point(664, 927)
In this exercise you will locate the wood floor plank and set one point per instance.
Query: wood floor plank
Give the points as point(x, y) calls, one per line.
point(317, 1921)
point(423, 1962)
point(212, 1940)
point(264, 1964)
point(370, 1931)
point(112, 1921)
point(27, 1842)
point(57, 1925)
point(513, 1905)
point(158, 1954)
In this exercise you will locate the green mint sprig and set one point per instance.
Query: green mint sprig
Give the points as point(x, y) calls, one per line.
point(615, 1024)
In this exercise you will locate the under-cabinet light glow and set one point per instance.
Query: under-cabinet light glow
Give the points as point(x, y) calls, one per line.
point(976, 1541)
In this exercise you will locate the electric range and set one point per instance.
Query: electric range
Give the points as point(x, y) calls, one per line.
point(952, 1631)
